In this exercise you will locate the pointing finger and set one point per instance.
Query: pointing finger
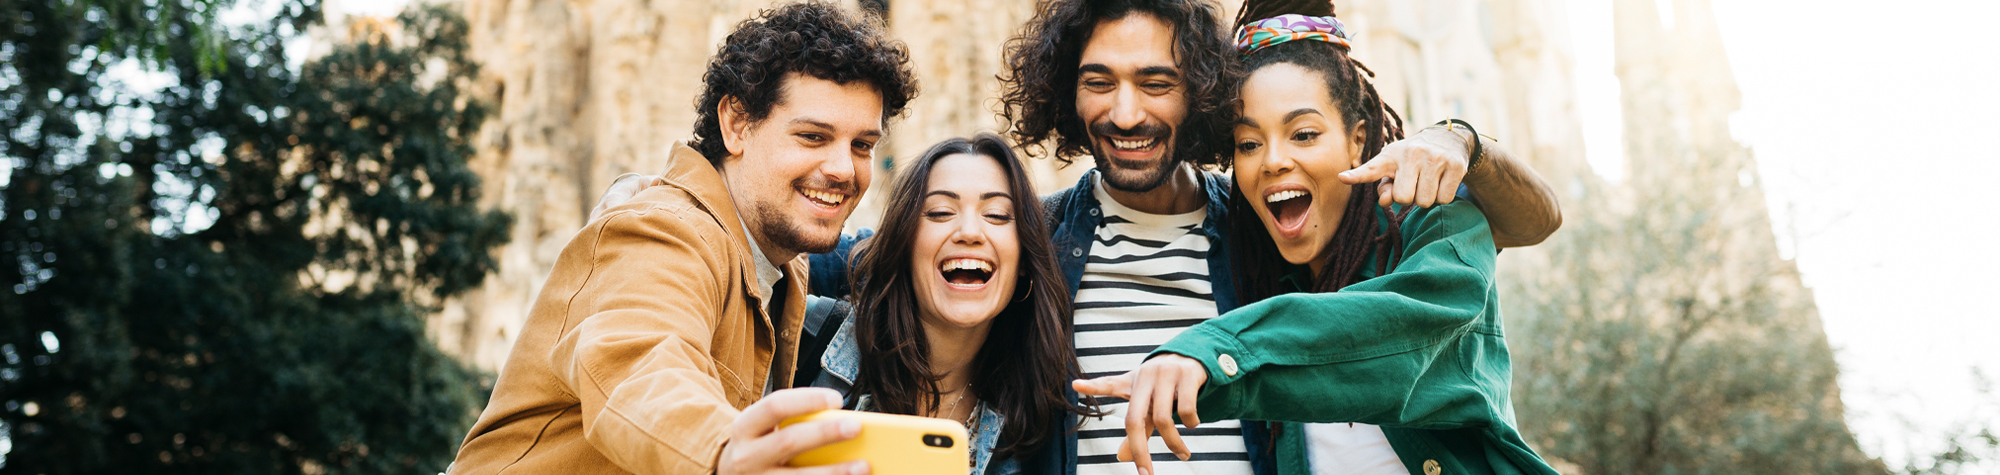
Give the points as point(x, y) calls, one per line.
point(1378, 168)
point(1118, 386)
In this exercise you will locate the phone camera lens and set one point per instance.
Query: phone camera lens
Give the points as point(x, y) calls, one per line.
point(939, 441)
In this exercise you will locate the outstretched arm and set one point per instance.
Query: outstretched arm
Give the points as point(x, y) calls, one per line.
point(1517, 201)
point(1380, 351)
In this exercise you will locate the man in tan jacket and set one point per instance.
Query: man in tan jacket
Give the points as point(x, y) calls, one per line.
point(669, 317)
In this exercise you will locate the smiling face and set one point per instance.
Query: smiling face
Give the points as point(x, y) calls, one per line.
point(1290, 147)
point(1130, 91)
point(967, 256)
point(797, 174)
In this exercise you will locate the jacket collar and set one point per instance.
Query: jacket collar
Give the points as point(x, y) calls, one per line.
point(1214, 185)
point(689, 170)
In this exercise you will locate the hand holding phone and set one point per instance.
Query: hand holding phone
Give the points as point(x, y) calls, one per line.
point(892, 444)
point(758, 445)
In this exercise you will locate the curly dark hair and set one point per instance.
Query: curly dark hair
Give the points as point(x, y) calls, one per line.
point(815, 38)
point(1039, 86)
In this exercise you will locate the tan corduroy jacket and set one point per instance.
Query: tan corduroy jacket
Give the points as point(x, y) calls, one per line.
point(644, 344)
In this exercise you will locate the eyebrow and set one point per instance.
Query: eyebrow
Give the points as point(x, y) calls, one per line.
point(954, 195)
point(1098, 68)
point(1246, 122)
point(1301, 111)
point(1167, 71)
point(816, 123)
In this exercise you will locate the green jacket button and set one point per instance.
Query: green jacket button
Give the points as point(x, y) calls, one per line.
point(1431, 467)
point(1229, 365)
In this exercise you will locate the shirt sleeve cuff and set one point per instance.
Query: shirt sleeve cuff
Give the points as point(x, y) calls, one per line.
point(1226, 360)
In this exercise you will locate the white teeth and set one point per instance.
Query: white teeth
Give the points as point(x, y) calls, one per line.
point(824, 196)
point(1131, 144)
point(1283, 195)
point(956, 264)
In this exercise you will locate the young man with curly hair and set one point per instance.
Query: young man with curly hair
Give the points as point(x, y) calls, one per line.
point(1142, 87)
point(668, 318)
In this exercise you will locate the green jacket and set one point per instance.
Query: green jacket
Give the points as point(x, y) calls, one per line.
point(1419, 352)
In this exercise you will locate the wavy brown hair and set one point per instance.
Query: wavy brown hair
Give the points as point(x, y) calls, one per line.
point(1355, 241)
point(1038, 94)
point(1027, 359)
point(815, 38)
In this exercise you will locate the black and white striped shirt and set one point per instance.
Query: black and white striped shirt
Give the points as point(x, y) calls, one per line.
point(1145, 281)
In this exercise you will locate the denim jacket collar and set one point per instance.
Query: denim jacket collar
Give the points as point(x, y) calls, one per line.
point(1082, 214)
point(842, 363)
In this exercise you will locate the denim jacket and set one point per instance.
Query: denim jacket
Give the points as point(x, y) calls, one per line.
point(1078, 214)
point(841, 363)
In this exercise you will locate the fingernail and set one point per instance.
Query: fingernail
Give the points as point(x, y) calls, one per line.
point(1183, 455)
point(850, 428)
point(832, 400)
point(859, 467)
point(1145, 471)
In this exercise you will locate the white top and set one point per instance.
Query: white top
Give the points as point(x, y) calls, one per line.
point(767, 274)
point(767, 279)
point(1343, 448)
point(1145, 281)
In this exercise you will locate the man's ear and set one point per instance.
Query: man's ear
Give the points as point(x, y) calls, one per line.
point(1357, 139)
point(735, 124)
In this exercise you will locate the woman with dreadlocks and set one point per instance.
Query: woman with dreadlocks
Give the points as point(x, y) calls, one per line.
point(1374, 331)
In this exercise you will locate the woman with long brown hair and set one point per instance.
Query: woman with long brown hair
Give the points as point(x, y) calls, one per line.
point(1375, 332)
point(958, 310)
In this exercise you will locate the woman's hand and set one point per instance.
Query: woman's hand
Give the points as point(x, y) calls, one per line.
point(1154, 391)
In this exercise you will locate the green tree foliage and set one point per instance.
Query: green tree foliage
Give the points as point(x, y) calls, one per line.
point(231, 274)
point(1665, 336)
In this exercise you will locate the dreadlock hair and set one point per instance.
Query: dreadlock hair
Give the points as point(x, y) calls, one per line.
point(1355, 241)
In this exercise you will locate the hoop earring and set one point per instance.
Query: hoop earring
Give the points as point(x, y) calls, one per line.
point(1031, 290)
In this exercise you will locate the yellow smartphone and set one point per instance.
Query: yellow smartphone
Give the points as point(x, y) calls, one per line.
point(893, 444)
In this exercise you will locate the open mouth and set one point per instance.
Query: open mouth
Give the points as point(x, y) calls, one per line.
point(1141, 145)
point(1289, 208)
point(824, 199)
point(967, 273)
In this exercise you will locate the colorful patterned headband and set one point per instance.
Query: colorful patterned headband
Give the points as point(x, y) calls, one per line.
point(1272, 31)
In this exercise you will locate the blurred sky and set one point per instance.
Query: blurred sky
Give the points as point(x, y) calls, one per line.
point(1876, 126)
